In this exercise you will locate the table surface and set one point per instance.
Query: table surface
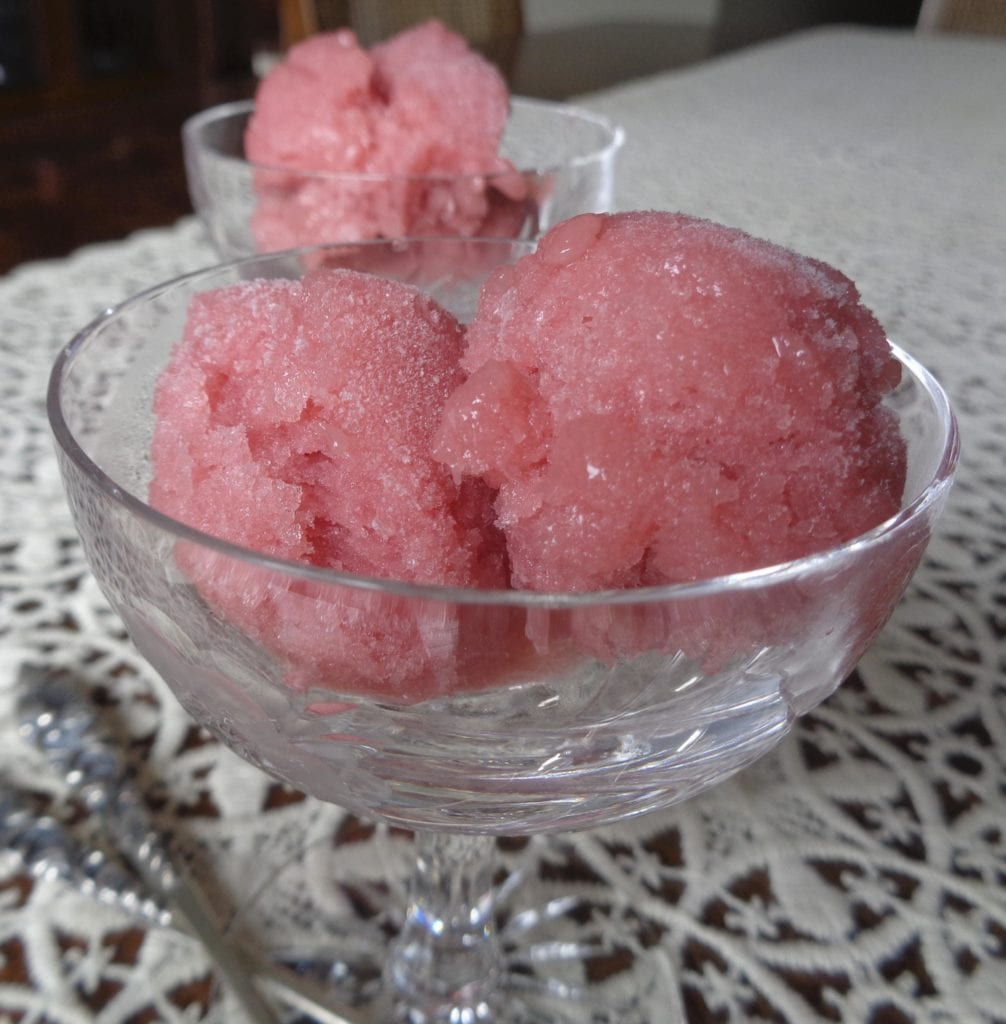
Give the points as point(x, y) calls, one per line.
point(856, 874)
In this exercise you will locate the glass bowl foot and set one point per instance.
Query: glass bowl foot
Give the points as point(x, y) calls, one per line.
point(553, 956)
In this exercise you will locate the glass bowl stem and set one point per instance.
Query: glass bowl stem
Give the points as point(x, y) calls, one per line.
point(446, 962)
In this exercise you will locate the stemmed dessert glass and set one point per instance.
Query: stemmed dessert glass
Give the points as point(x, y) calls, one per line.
point(539, 712)
point(563, 160)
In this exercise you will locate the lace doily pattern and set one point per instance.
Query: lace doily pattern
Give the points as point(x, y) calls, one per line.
point(858, 873)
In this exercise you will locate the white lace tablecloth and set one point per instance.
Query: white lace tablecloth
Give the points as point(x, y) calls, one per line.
point(858, 874)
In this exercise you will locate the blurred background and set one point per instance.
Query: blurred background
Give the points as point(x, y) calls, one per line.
point(93, 92)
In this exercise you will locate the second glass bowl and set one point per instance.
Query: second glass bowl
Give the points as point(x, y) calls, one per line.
point(564, 160)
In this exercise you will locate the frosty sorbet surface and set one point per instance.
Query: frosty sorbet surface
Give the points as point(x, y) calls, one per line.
point(421, 107)
point(657, 398)
point(296, 418)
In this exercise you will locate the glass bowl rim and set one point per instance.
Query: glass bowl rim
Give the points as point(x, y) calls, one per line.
point(748, 579)
point(193, 125)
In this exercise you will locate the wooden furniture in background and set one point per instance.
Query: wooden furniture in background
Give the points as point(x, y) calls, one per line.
point(93, 92)
point(982, 17)
point(552, 64)
point(92, 97)
point(493, 27)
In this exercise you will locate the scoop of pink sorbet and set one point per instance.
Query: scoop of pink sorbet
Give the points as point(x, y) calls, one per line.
point(296, 419)
point(422, 107)
point(659, 399)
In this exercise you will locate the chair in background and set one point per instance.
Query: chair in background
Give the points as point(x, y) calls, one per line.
point(984, 17)
point(595, 51)
point(493, 27)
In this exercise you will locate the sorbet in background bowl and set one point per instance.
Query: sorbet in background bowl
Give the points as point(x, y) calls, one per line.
point(416, 137)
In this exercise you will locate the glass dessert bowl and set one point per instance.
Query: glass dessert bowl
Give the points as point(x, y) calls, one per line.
point(538, 712)
point(564, 160)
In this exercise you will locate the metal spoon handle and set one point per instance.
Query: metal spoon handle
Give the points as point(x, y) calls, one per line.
point(64, 726)
point(48, 851)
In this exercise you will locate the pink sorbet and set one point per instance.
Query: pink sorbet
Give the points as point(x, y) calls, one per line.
point(421, 108)
point(296, 419)
point(658, 398)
